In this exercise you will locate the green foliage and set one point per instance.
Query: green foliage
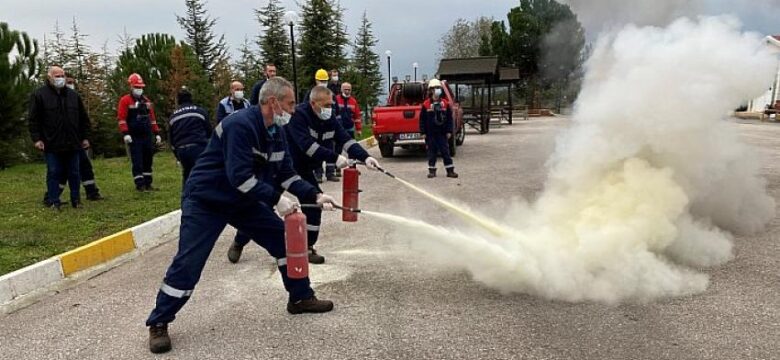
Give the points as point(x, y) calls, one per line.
point(247, 67)
point(30, 232)
point(322, 40)
point(364, 72)
point(274, 41)
point(18, 68)
point(466, 38)
point(199, 28)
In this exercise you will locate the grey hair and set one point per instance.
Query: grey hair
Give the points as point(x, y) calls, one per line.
point(320, 92)
point(274, 87)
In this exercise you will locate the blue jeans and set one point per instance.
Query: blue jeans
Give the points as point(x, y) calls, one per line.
point(61, 165)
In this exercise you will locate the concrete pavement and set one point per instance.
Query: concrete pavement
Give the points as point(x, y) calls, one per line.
point(389, 305)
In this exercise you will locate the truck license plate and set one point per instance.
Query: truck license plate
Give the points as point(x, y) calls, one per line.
point(410, 136)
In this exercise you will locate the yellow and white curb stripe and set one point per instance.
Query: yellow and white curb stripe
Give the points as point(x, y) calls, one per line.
point(15, 285)
point(40, 275)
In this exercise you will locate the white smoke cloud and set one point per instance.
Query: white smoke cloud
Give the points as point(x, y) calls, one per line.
point(647, 184)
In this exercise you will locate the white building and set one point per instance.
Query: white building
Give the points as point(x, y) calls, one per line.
point(773, 94)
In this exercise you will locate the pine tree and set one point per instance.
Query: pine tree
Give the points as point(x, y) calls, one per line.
point(365, 73)
point(200, 35)
point(57, 48)
point(274, 42)
point(79, 51)
point(322, 40)
point(247, 68)
point(18, 68)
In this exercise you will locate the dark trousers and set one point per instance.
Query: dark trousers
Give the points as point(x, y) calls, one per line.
point(187, 156)
point(437, 144)
point(200, 228)
point(58, 165)
point(86, 173)
point(141, 156)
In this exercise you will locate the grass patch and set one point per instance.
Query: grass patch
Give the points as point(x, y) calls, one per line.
point(30, 232)
point(366, 132)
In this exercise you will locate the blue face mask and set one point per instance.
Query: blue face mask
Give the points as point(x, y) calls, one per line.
point(59, 83)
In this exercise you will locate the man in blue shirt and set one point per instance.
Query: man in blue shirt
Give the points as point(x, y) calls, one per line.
point(238, 180)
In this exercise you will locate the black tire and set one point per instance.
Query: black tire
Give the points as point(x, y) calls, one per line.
point(460, 137)
point(386, 150)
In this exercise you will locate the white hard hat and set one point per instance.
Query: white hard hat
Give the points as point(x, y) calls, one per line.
point(434, 83)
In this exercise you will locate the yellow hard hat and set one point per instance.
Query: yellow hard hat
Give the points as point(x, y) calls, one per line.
point(321, 75)
point(434, 83)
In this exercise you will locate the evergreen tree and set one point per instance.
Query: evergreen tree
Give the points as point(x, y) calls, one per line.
point(274, 42)
point(365, 73)
point(78, 51)
point(322, 40)
point(57, 48)
point(248, 68)
point(200, 35)
point(18, 68)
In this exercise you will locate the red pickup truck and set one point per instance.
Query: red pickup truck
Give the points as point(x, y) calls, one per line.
point(398, 122)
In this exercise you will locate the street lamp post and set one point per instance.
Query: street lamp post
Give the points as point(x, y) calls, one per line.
point(389, 84)
point(415, 65)
point(291, 17)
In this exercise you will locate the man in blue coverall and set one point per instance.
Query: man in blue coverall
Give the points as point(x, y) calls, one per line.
point(238, 180)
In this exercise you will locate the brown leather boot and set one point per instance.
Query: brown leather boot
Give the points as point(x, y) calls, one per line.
point(315, 258)
point(431, 173)
point(159, 341)
point(451, 173)
point(310, 305)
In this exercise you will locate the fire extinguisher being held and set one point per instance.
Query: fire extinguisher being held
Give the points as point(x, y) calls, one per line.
point(351, 183)
point(296, 244)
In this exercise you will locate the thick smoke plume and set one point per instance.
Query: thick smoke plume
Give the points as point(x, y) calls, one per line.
point(646, 186)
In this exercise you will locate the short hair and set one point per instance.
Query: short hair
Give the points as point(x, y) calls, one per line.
point(274, 87)
point(320, 92)
point(334, 70)
point(269, 64)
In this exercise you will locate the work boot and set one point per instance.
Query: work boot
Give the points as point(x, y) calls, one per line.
point(139, 188)
point(451, 173)
point(234, 253)
point(149, 187)
point(333, 178)
point(315, 258)
point(56, 207)
point(310, 305)
point(159, 341)
point(76, 204)
point(95, 196)
point(431, 173)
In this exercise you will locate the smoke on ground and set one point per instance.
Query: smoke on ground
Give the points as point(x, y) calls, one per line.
point(646, 186)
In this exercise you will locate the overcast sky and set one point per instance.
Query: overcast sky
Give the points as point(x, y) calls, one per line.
point(410, 29)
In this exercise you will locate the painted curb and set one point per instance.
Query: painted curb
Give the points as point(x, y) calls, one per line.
point(28, 279)
point(15, 285)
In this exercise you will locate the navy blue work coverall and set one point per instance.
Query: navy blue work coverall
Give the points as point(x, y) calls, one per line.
point(189, 133)
point(309, 138)
point(255, 98)
point(136, 118)
point(435, 123)
point(238, 179)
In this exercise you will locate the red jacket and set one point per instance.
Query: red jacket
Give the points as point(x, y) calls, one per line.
point(136, 117)
point(350, 106)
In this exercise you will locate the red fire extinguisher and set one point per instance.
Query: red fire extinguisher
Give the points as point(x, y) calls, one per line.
point(297, 245)
point(350, 189)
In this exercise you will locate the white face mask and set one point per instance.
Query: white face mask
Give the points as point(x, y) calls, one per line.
point(71, 86)
point(346, 96)
point(437, 92)
point(283, 118)
point(335, 78)
point(138, 92)
point(326, 113)
point(59, 83)
point(238, 95)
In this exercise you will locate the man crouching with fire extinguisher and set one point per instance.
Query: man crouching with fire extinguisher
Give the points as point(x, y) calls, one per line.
point(310, 132)
point(238, 180)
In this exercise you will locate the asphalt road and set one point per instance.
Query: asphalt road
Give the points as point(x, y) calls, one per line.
point(390, 306)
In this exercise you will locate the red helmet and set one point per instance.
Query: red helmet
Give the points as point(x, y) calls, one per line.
point(136, 81)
